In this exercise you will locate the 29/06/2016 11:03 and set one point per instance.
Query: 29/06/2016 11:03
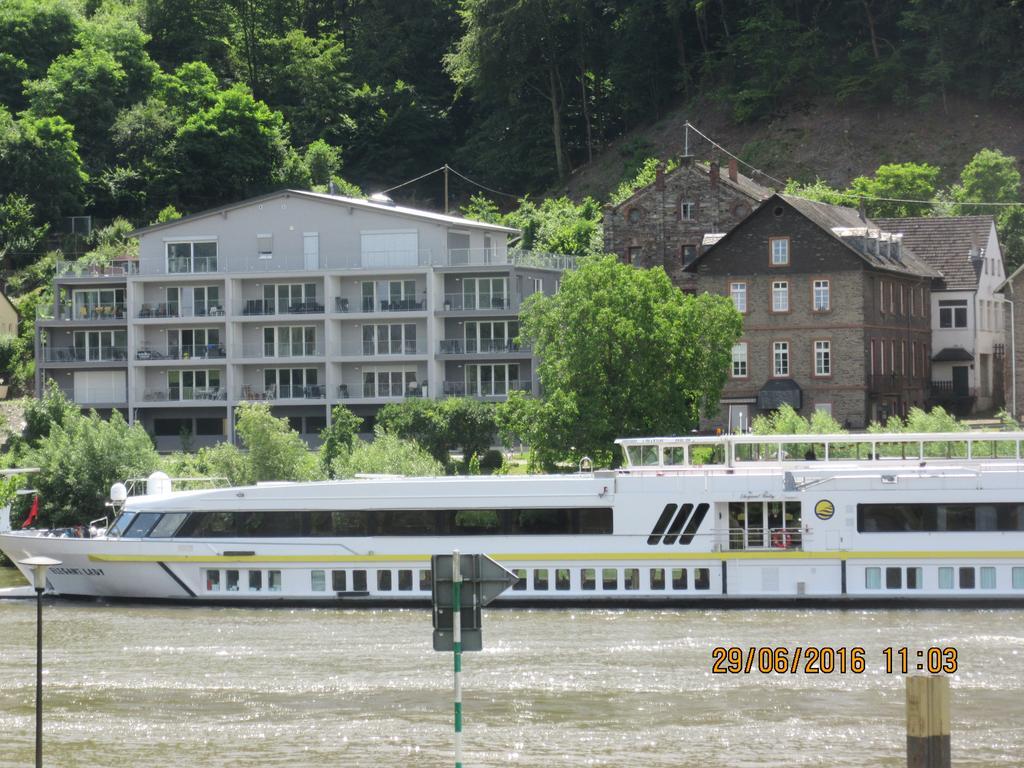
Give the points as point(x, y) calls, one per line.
point(827, 660)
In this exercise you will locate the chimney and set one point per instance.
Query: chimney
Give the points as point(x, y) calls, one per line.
point(862, 209)
point(713, 172)
point(733, 173)
point(659, 177)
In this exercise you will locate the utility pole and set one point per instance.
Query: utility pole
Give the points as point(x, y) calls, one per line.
point(446, 189)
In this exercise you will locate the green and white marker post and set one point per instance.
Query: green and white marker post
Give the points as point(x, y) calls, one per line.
point(457, 651)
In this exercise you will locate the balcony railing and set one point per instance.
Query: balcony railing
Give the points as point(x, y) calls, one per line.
point(273, 307)
point(945, 389)
point(182, 352)
point(192, 265)
point(174, 310)
point(487, 389)
point(118, 269)
point(481, 347)
point(381, 390)
point(185, 394)
point(460, 302)
point(385, 347)
point(482, 257)
point(84, 354)
point(298, 349)
point(67, 312)
point(284, 392)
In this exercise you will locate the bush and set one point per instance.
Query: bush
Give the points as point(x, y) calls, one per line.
point(492, 460)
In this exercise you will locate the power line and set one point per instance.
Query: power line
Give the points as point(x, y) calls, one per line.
point(853, 195)
point(457, 173)
point(482, 186)
point(410, 181)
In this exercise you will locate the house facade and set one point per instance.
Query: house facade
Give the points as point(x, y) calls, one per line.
point(968, 326)
point(1011, 292)
point(836, 314)
point(665, 223)
point(297, 299)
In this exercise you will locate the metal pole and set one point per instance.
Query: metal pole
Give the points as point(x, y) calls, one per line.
point(457, 651)
point(1013, 359)
point(39, 677)
point(446, 189)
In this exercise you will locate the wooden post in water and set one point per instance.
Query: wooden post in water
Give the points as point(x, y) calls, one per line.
point(928, 721)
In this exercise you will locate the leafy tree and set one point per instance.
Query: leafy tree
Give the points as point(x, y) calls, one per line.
point(419, 420)
point(339, 437)
point(19, 236)
point(388, 454)
point(81, 458)
point(623, 353)
point(482, 208)
point(221, 460)
point(470, 425)
point(276, 451)
point(168, 213)
point(188, 31)
point(786, 421)
point(818, 190)
point(991, 177)
point(897, 181)
point(32, 34)
point(558, 225)
point(323, 162)
point(643, 177)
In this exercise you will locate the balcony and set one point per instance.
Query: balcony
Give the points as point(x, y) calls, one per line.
point(258, 307)
point(385, 348)
point(117, 270)
point(487, 389)
point(85, 354)
point(191, 265)
point(380, 391)
point(283, 350)
point(185, 395)
point(253, 393)
point(95, 312)
point(481, 347)
point(459, 302)
point(175, 310)
point(366, 304)
point(181, 352)
point(486, 257)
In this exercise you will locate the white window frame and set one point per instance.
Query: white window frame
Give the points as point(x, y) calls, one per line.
point(265, 246)
point(686, 208)
point(780, 296)
point(780, 359)
point(822, 296)
point(822, 357)
point(738, 294)
point(740, 367)
point(779, 249)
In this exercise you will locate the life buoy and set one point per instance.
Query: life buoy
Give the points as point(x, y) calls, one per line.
point(781, 539)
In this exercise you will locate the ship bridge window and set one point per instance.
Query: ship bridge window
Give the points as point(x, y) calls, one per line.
point(642, 455)
point(120, 525)
point(934, 518)
point(142, 525)
point(168, 524)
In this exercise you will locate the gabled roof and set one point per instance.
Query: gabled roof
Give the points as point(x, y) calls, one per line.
point(743, 184)
point(10, 304)
point(352, 202)
point(946, 243)
point(834, 218)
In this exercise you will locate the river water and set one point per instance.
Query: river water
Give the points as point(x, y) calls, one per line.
point(147, 686)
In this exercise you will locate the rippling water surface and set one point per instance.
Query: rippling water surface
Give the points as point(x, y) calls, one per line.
point(159, 686)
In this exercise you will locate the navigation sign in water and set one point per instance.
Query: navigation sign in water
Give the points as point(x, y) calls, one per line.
point(482, 580)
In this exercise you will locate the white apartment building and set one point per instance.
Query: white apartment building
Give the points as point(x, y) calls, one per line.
point(298, 299)
point(968, 319)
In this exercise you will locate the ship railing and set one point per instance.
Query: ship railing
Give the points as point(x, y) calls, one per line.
point(730, 451)
point(766, 539)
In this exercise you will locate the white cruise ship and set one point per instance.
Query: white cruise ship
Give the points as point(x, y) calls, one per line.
point(830, 519)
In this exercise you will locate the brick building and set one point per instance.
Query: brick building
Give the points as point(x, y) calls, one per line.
point(665, 223)
point(836, 314)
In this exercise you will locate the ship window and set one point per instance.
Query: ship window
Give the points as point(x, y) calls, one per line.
point(702, 578)
point(588, 579)
point(405, 580)
point(541, 521)
point(426, 580)
point(679, 578)
point(914, 578)
point(988, 577)
point(400, 522)
point(268, 524)
point(945, 578)
point(383, 581)
point(318, 581)
point(894, 578)
point(273, 581)
point(540, 579)
point(932, 518)
point(231, 584)
point(168, 524)
point(359, 580)
point(213, 581)
point(142, 525)
point(1018, 578)
point(596, 520)
point(872, 578)
point(609, 578)
point(520, 585)
point(475, 521)
point(657, 578)
point(339, 581)
point(631, 578)
point(967, 578)
point(121, 523)
point(255, 581)
point(562, 578)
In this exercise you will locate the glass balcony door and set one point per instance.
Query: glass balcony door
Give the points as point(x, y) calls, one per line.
point(100, 345)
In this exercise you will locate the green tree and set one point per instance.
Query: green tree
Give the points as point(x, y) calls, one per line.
point(32, 34)
point(339, 437)
point(896, 181)
point(623, 353)
point(276, 451)
point(81, 458)
point(323, 162)
point(420, 420)
point(818, 190)
point(470, 425)
point(188, 30)
point(558, 225)
point(19, 236)
point(223, 460)
point(990, 177)
point(388, 454)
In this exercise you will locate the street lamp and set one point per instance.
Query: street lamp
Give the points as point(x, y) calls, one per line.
point(39, 566)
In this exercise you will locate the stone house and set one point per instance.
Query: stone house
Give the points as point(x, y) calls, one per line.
point(665, 224)
point(968, 328)
point(836, 314)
